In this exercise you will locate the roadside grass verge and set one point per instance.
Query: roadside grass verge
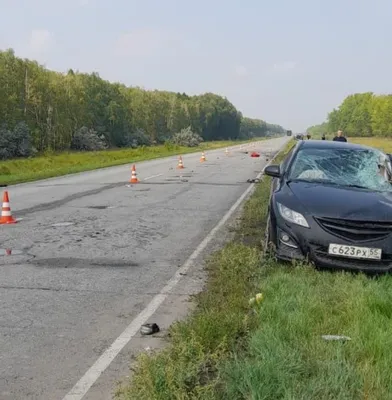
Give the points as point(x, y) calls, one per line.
point(188, 368)
point(287, 358)
point(53, 165)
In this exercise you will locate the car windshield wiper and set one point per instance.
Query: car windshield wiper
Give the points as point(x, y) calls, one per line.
point(312, 181)
point(355, 186)
point(318, 181)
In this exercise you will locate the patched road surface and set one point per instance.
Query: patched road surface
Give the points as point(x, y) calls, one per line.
point(89, 254)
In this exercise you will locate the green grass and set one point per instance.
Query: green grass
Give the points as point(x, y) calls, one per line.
point(228, 349)
point(287, 357)
point(52, 165)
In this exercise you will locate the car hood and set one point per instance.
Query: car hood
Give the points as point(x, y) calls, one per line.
point(337, 202)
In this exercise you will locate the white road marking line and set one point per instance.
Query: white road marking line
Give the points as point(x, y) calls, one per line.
point(91, 376)
point(152, 176)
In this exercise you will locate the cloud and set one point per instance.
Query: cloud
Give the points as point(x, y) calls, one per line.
point(40, 41)
point(240, 70)
point(285, 66)
point(142, 43)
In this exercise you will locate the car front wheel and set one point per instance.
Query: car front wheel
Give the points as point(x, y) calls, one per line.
point(269, 234)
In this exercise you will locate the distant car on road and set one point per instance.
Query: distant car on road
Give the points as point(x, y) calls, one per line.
point(331, 202)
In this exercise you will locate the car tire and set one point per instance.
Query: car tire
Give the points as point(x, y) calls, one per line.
point(268, 235)
point(268, 231)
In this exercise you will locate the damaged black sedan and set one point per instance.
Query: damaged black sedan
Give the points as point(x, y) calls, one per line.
point(331, 203)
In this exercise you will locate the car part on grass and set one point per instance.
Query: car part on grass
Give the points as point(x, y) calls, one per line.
point(335, 337)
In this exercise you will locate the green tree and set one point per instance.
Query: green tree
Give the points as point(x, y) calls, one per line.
point(360, 114)
point(78, 110)
point(318, 130)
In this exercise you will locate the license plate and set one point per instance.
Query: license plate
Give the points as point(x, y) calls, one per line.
point(354, 251)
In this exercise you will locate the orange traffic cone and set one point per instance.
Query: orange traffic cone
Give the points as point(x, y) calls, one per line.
point(6, 215)
point(134, 176)
point(180, 164)
point(203, 157)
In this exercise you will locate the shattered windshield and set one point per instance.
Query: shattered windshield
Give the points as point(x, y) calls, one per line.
point(362, 168)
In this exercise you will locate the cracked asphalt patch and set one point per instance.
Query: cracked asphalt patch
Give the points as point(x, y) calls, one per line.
point(81, 263)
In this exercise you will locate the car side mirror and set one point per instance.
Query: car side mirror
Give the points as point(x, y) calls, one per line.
point(272, 170)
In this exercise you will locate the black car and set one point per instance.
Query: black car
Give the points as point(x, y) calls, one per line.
point(331, 203)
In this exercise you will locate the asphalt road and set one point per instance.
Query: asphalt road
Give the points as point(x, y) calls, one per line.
point(89, 254)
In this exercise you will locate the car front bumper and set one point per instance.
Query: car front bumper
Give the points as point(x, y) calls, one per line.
point(312, 244)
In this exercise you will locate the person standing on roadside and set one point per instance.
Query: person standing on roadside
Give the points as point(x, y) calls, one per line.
point(339, 137)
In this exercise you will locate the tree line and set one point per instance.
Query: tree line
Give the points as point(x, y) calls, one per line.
point(43, 110)
point(360, 114)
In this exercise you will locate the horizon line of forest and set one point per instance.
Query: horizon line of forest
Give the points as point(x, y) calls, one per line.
point(47, 111)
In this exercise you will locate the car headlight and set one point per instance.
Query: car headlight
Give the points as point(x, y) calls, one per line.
point(292, 216)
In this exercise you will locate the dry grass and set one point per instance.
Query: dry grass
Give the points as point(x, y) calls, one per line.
point(384, 144)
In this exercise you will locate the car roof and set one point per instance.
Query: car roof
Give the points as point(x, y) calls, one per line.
point(329, 144)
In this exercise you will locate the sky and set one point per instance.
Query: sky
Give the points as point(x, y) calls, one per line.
point(284, 61)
